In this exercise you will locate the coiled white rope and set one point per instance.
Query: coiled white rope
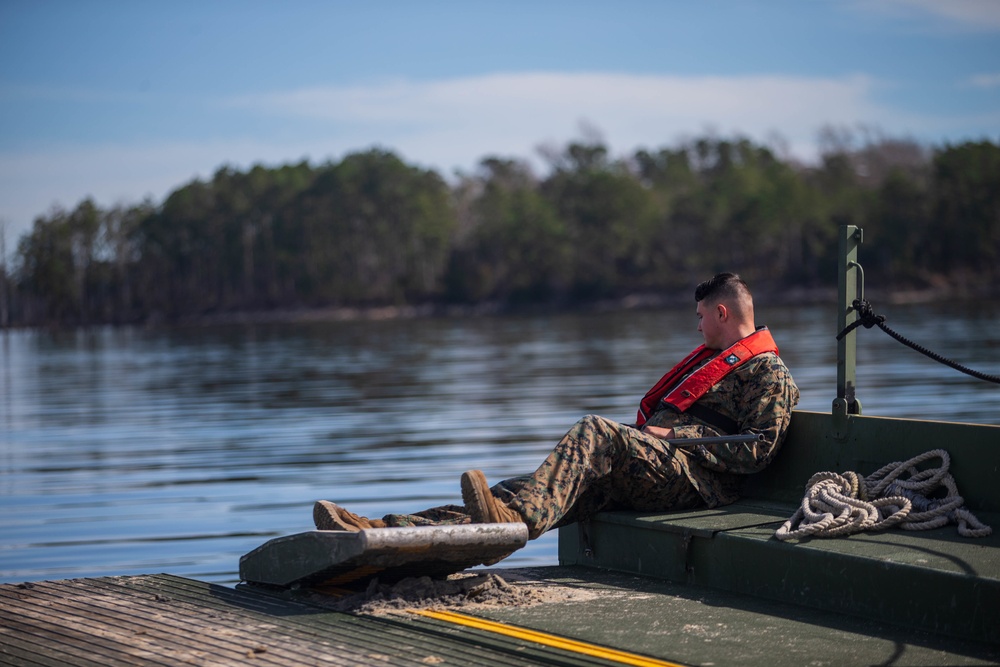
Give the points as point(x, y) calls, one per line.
point(842, 504)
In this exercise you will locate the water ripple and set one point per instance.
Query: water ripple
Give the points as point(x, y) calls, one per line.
point(128, 451)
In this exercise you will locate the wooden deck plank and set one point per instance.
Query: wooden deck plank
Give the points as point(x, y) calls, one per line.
point(50, 644)
point(17, 650)
point(23, 644)
point(70, 619)
point(206, 631)
point(45, 618)
point(338, 630)
point(452, 644)
point(163, 623)
point(457, 645)
point(166, 620)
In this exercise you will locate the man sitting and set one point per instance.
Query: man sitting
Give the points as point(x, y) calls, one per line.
point(732, 384)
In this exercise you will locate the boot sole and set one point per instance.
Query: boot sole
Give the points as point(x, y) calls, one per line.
point(327, 517)
point(477, 497)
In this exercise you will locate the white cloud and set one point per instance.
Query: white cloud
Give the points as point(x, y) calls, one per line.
point(545, 97)
point(972, 15)
point(449, 124)
point(985, 81)
point(512, 112)
point(32, 183)
point(976, 14)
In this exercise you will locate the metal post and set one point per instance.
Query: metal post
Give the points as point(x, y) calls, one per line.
point(848, 289)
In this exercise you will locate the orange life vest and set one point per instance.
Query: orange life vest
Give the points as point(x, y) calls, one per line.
point(683, 391)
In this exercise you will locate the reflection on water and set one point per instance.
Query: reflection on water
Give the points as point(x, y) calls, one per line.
point(127, 451)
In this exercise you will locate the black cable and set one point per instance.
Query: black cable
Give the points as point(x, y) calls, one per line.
point(868, 319)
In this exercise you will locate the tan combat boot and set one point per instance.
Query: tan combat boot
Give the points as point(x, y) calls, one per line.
point(328, 516)
point(481, 505)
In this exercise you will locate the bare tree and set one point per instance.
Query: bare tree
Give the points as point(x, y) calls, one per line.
point(3, 274)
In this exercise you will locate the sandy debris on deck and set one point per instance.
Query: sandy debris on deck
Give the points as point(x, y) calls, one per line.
point(466, 590)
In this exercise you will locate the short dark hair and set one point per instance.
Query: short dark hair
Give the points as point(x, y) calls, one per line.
point(724, 287)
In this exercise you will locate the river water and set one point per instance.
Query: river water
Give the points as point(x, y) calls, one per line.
point(129, 451)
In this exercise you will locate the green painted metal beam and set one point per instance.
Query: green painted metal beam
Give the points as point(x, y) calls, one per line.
point(849, 288)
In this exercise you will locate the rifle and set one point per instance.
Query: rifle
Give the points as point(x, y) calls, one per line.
point(717, 439)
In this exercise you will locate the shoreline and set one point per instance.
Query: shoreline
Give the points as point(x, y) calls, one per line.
point(631, 302)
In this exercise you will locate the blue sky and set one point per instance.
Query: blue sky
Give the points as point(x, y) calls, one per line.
point(126, 100)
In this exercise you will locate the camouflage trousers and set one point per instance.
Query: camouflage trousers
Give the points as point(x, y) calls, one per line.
point(598, 465)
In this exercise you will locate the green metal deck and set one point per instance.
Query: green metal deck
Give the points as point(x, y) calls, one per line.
point(933, 580)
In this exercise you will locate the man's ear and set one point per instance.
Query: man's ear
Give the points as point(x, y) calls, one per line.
point(722, 311)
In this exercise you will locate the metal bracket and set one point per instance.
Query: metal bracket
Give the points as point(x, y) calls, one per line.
point(586, 545)
point(850, 286)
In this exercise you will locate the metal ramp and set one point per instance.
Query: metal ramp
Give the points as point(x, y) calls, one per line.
point(351, 559)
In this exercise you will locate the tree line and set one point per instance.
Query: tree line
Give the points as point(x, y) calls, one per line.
point(372, 230)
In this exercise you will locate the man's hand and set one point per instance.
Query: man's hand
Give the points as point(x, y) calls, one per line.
point(658, 432)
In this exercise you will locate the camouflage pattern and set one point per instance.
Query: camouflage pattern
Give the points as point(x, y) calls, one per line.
point(759, 396)
point(603, 465)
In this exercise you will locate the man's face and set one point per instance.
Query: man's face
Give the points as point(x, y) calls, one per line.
point(709, 325)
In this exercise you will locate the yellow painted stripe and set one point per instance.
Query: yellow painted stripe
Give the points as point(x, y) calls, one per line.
point(555, 641)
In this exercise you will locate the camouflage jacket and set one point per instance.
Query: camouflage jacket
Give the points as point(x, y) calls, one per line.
point(759, 396)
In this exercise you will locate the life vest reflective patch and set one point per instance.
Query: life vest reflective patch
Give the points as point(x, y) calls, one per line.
point(684, 391)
